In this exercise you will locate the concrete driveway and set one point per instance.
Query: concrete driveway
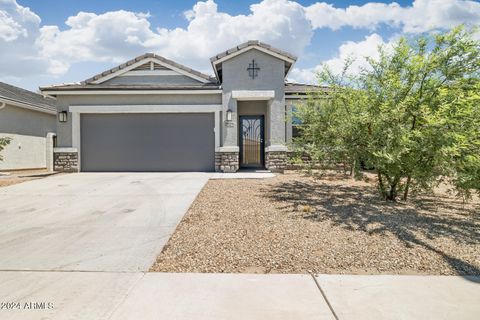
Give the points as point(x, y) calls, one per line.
point(93, 221)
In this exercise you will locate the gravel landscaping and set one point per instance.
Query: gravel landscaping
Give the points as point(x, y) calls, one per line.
point(298, 224)
point(15, 177)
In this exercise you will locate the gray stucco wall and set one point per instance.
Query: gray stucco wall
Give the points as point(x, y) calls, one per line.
point(64, 130)
point(270, 77)
point(171, 79)
point(17, 120)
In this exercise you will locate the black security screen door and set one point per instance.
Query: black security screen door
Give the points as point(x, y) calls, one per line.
point(251, 141)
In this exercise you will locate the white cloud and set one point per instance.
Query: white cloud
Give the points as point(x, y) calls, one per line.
point(19, 29)
point(28, 48)
point(119, 35)
point(356, 51)
point(423, 15)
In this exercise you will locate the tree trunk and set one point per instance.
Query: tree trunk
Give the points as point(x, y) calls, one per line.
point(381, 185)
point(407, 187)
point(352, 169)
point(393, 192)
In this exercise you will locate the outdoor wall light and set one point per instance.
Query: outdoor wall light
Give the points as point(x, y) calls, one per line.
point(229, 115)
point(62, 116)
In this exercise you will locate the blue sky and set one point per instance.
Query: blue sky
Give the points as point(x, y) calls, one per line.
point(50, 41)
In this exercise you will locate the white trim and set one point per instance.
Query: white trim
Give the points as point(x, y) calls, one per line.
point(66, 150)
point(217, 129)
point(146, 108)
point(49, 151)
point(134, 73)
point(276, 147)
point(228, 149)
point(144, 61)
point(267, 51)
point(249, 95)
point(132, 92)
point(25, 106)
point(76, 137)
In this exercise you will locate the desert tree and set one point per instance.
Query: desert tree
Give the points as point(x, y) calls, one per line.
point(412, 114)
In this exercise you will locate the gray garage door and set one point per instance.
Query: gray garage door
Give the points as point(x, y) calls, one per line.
point(148, 142)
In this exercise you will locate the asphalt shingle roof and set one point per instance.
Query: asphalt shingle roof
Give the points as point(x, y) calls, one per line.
point(302, 88)
point(16, 94)
point(143, 57)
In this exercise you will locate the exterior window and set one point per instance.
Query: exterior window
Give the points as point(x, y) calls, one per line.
point(296, 122)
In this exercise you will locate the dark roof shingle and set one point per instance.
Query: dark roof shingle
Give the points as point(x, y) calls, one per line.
point(16, 94)
point(146, 56)
point(292, 88)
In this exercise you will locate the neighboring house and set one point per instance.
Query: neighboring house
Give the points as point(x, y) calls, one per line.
point(29, 119)
point(153, 114)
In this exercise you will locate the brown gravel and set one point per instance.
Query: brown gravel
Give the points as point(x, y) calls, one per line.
point(20, 176)
point(298, 224)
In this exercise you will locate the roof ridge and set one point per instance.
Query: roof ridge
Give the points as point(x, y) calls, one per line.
point(144, 56)
point(252, 43)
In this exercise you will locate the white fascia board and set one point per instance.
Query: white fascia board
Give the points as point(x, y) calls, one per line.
point(122, 71)
point(274, 54)
point(132, 92)
point(250, 95)
point(147, 73)
point(26, 106)
point(142, 62)
point(146, 108)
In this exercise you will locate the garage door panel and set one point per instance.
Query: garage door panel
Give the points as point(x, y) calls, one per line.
point(148, 142)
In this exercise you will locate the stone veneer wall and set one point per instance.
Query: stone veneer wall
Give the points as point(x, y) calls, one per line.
point(65, 161)
point(226, 161)
point(276, 161)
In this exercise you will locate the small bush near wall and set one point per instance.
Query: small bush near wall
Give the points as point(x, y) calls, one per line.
point(3, 143)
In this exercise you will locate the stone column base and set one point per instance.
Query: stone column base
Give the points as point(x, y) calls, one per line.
point(65, 160)
point(276, 161)
point(226, 161)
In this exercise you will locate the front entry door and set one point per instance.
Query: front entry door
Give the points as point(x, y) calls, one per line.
point(251, 141)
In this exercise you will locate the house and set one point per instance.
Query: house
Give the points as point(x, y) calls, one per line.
point(153, 114)
point(29, 119)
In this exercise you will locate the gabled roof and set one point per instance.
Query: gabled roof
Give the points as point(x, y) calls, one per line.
point(249, 45)
point(147, 57)
point(26, 99)
point(293, 89)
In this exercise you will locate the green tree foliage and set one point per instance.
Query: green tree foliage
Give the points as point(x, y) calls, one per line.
point(3, 143)
point(413, 114)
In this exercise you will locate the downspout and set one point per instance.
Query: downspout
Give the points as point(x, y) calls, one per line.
point(2, 105)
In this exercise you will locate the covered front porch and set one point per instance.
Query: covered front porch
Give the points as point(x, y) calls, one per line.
point(253, 133)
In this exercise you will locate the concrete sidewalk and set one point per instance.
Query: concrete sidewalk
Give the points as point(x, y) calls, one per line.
point(102, 295)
